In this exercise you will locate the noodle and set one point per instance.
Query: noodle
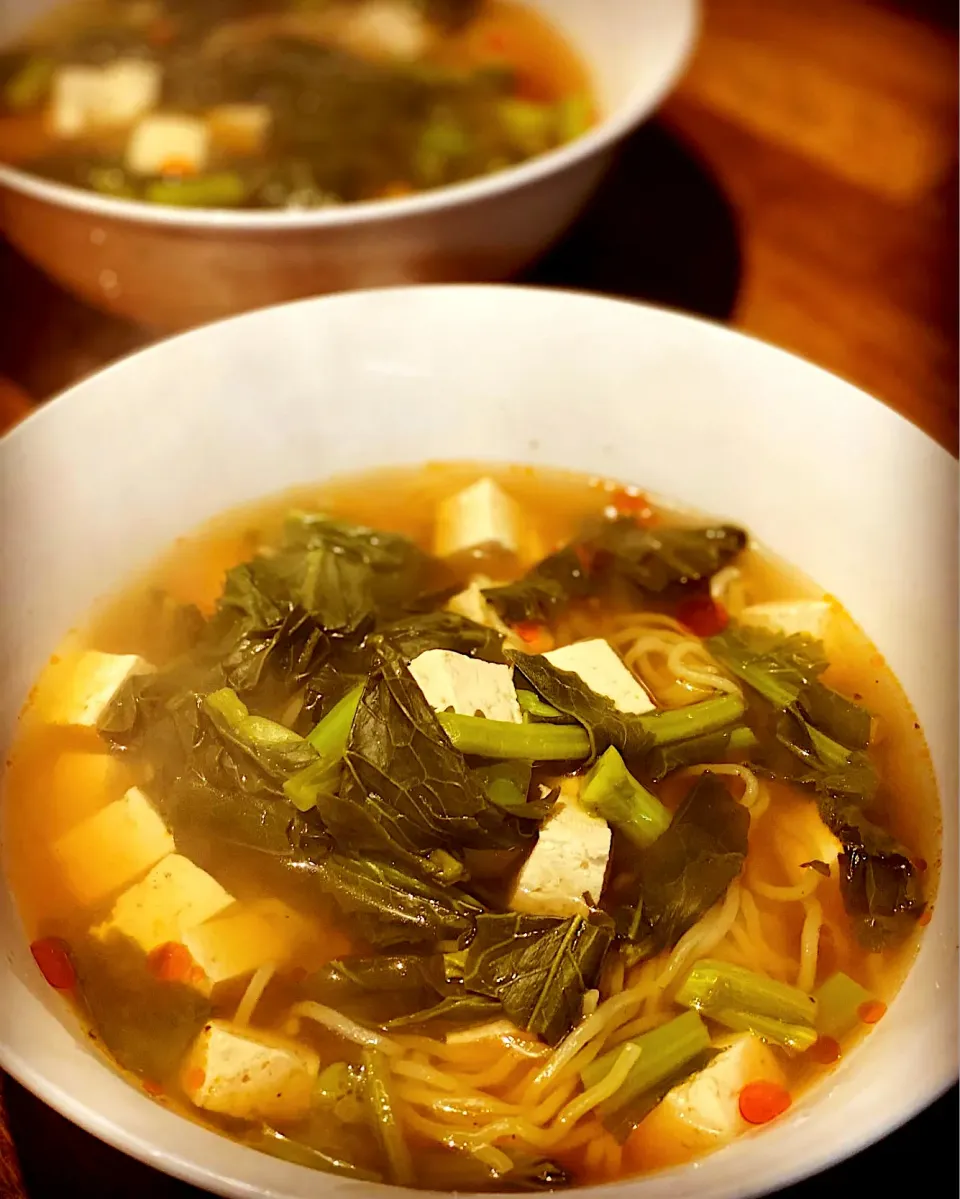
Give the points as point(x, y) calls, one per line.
point(800, 892)
point(706, 678)
point(810, 945)
point(727, 588)
point(343, 1026)
point(703, 937)
point(251, 996)
point(755, 796)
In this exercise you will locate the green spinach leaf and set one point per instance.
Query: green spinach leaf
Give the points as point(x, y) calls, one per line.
point(688, 868)
point(537, 967)
point(568, 693)
point(386, 904)
point(406, 791)
point(655, 559)
point(776, 667)
point(543, 590)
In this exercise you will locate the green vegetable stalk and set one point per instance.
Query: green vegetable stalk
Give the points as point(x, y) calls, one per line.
point(663, 1052)
point(839, 1000)
point(610, 791)
point(713, 986)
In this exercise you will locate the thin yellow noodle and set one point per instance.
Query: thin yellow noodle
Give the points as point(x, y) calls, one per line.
point(251, 996)
point(726, 588)
point(344, 1027)
point(601, 1021)
point(776, 963)
point(703, 937)
point(496, 1074)
point(590, 1001)
point(494, 1158)
point(596, 1154)
point(431, 1077)
point(754, 792)
point(467, 1107)
point(453, 1050)
point(798, 893)
point(705, 677)
point(749, 952)
point(636, 1028)
point(810, 945)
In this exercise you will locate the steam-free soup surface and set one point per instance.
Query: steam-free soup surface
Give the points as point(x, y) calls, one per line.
point(286, 103)
point(540, 837)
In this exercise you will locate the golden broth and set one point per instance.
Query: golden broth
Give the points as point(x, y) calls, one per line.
point(51, 785)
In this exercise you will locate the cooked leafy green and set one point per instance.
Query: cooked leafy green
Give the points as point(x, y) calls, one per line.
point(881, 890)
point(537, 967)
point(386, 904)
point(606, 725)
point(400, 991)
point(406, 791)
point(543, 590)
point(413, 635)
point(696, 751)
point(688, 868)
point(615, 555)
point(655, 559)
point(776, 667)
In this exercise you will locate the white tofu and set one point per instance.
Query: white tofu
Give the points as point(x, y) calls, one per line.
point(163, 138)
point(482, 516)
point(83, 782)
point(703, 1112)
point(174, 897)
point(568, 862)
point(386, 29)
point(601, 668)
point(85, 99)
point(249, 1075)
point(811, 617)
point(241, 128)
point(112, 848)
point(471, 604)
point(466, 685)
point(241, 940)
point(89, 685)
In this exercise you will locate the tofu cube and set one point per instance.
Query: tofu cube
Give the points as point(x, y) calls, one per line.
point(471, 604)
point(482, 516)
point(386, 29)
point(248, 1075)
point(703, 1112)
point(83, 782)
point(568, 862)
point(810, 617)
point(112, 848)
point(165, 141)
point(89, 687)
point(174, 897)
point(466, 685)
point(240, 128)
point(601, 668)
point(85, 99)
point(239, 941)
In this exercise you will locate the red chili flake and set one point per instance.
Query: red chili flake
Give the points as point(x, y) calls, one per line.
point(170, 962)
point(925, 918)
point(151, 1087)
point(585, 556)
point(921, 864)
point(763, 1101)
point(824, 1051)
point(703, 616)
point(528, 630)
point(496, 41)
point(635, 504)
point(871, 1011)
point(53, 958)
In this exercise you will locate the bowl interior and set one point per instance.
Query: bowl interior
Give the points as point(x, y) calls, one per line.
point(98, 482)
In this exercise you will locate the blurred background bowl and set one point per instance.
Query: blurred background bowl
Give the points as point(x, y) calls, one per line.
point(173, 268)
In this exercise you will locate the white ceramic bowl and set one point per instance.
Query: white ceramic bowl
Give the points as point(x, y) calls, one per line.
point(99, 481)
point(173, 268)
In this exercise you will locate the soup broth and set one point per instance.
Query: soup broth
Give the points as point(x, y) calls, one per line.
point(546, 836)
point(286, 103)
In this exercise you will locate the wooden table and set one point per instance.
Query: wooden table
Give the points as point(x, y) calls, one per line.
point(801, 184)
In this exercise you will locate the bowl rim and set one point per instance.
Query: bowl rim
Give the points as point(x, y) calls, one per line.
point(229, 1179)
point(639, 103)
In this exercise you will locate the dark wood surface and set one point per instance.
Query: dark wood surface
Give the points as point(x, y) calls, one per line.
point(801, 184)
